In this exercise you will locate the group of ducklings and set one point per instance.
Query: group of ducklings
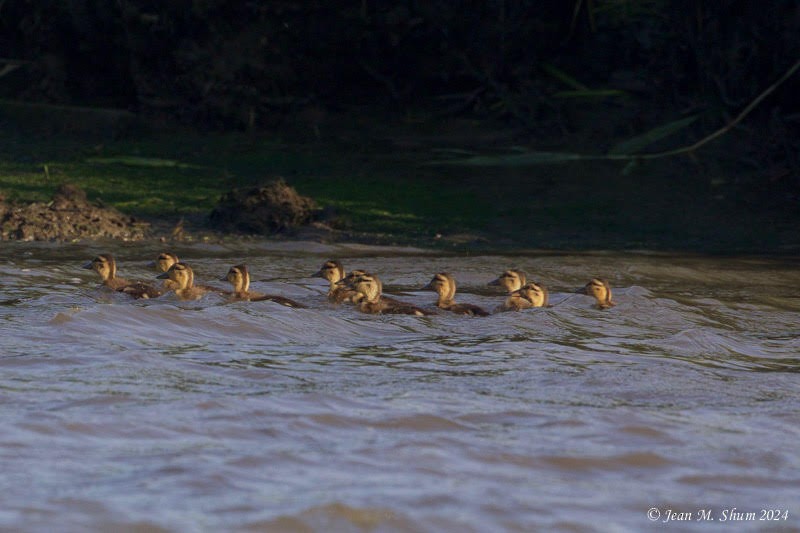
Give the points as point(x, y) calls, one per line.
point(365, 290)
point(357, 287)
point(179, 278)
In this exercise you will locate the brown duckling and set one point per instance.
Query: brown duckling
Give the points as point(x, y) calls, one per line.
point(529, 295)
point(510, 280)
point(333, 271)
point(445, 285)
point(162, 264)
point(601, 290)
point(239, 277)
point(183, 277)
point(371, 301)
point(106, 267)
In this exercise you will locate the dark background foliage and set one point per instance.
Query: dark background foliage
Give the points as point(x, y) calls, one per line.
point(219, 62)
point(537, 64)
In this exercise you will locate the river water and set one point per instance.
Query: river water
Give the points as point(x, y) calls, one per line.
point(161, 415)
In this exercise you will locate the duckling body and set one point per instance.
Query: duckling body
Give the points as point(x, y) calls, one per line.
point(371, 301)
point(239, 277)
point(333, 271)
point(182, 276)
point(445, 286)
point(106, 266)
point(510, 280)
point(600, 290)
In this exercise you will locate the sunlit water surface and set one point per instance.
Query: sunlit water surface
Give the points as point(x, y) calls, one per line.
point(207, 416)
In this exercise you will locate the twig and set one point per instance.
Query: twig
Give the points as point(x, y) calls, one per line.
point(384, 80)
point(722, 131)
point(499, 91)
point(575, 12)
point(548, 157)
point(10, 64)
point(465, 100)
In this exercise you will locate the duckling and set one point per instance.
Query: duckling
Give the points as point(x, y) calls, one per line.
point(529, 295)
point(349, 282)
point(371, 301)
point(445, 285)
point(239, 277)
point(333, 271)
point(510, 280)
point(162, 264)
point(183, 277)
point(601, 290)
point(106, 267)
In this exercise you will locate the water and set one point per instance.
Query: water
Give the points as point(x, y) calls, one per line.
point(205, 416)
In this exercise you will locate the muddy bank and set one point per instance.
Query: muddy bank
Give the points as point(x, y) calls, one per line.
point(68, 216)
point(272, 208)
point(275, 208)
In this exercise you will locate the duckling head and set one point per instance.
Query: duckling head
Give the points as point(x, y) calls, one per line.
point(181, 274)
point(331, 270)
point(444, 284)
point(103, 264)
point(164, 261)
point(510, 280)
point(535, 293)
point(239, 277)
point(368, 285)
point(600, 290)
point(349, 280)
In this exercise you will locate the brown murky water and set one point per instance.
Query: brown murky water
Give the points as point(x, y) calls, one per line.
point(205, 416)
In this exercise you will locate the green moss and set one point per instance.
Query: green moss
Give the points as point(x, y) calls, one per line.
point(186, 174)
point(373, 187)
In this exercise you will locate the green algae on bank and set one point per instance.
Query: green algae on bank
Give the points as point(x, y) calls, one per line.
point(374, 186)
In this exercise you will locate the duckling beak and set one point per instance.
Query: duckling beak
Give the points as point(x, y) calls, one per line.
point(224, 278)
point(317, 274)
point(163, 275)
point(495, 283)
point(151, 264)
point(582, 290)
point(427, 287)
point(87, 266)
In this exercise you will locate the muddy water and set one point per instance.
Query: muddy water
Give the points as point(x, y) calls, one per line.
point(207, 416)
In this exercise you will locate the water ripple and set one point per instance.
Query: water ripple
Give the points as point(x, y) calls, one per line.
point(194, 416)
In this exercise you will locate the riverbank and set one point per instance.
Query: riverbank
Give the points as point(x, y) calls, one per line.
point(377, 181)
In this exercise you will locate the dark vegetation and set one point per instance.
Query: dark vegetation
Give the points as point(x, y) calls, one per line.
point(358, 104)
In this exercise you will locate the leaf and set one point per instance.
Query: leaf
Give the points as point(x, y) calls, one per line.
point(136, 161)
point(638, 143)
point(513, 160)
point(453, 151)
point(590, 93)
point(10, 67)
point(564, 77)
point(631, 167)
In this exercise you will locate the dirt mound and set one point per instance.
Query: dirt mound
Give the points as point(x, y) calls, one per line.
point(273, 208)
point(68, 216)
